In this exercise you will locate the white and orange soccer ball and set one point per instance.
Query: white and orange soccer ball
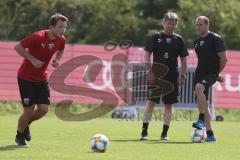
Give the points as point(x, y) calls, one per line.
point(198, 135)
point(99, 143)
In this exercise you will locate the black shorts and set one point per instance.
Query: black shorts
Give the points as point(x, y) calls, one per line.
point(167, 89)
point(34, 92)
point(207, 80)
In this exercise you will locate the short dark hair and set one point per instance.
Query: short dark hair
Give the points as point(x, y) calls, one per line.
point(170, 16)
point(56, 17)
point(204, 18)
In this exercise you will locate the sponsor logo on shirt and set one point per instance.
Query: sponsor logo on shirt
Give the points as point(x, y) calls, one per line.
point(165, 55)
point(168, 40)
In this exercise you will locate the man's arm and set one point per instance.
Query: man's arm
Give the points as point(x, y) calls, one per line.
point(183, 53)
point(183, 66)
point(147, 57)
point(223, 60)
point(182, 76)
point(57, 59)
point(147, 60)
point(221, 52)
point(22, 52)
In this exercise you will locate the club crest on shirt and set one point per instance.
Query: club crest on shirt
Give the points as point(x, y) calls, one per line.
point(201, 43)
point(50, 46)
point(168, 40)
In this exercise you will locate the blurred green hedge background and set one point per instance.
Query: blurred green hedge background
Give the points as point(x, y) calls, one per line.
point(97, 21)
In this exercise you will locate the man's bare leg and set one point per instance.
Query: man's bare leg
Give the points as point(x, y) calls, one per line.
point(201, 98)
point(168, 111)
point(208, 119)
point(210, 133)
point(23, 122)
point(205, 114)
point(39, 112)
point(29, 115)
point(147, 115)
point(25, 118)
point(202, 105)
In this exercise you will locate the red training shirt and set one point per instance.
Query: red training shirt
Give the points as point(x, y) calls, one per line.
point(42, 48)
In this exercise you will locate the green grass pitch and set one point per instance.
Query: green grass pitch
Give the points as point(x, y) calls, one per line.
point(53, 139)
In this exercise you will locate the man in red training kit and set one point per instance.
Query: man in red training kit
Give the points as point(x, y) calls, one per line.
point(37, 50)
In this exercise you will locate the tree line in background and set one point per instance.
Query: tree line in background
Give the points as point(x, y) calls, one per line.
point(98, 21)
